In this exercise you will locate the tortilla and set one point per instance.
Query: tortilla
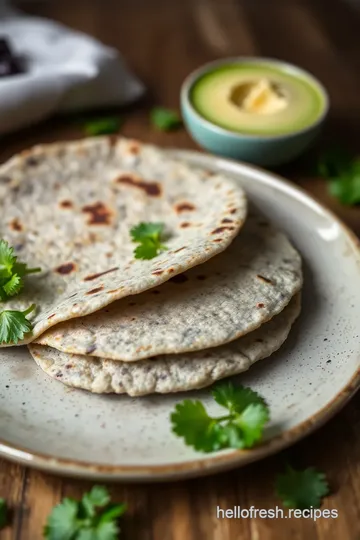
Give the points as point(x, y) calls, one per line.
point(229, 296)
point(171, 373)
point(69, 207)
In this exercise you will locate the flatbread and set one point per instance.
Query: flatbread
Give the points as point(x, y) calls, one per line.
point(69, 207)
point(229, 296)
point(171, 373)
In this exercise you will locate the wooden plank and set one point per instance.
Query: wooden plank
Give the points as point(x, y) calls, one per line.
point(12, 482)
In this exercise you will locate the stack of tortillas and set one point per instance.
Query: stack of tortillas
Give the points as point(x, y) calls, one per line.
point(223, 295)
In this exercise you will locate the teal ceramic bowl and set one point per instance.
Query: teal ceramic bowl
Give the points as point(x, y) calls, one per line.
point(260, 149)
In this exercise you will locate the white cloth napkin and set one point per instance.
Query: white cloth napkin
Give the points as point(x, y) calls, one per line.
point(65, 71)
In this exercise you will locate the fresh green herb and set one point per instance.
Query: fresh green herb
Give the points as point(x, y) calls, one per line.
point(3, 514)
point(242, 427)
point(165, 119)
point(11, 272)
point(102, 126)
point(343, 173)
point(301, 489)
point(14, 325)
point(149, 238)
point(92, 518)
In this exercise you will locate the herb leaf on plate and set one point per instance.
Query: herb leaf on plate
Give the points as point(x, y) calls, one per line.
point(11, 272)
point(3, 514)
point(149, 238)
point(102, 126)
point(14, 325)
point(301, 489)
point(165, 119)
point(91, 518)
point(343, 174)
point(242, 427)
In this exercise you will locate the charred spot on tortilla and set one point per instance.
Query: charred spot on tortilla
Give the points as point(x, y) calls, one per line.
point(69, 366)
point(66, 204)
point(96, 290)
point(157, 272)
point(180, 249)
point(264, 279)
point(91, 349)
point(134, 148)
point(153, 189)
point(184, 207)
point(180, 278)
point(171, 270)
point(51, 316)
point(65, 268)
point(91, 277)
point(99, 214)
point(233, 211)
point(217, 240)
point(219, 230)
point(185, 224)
point(113, 291)
point(32, 161)
point(226, 220)
point(113, 139)
point(260, 305)
point(16, 225)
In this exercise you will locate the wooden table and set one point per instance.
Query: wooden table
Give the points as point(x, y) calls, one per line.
point(163, 40)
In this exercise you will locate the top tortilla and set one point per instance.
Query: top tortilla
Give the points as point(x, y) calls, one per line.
point(69, 207)
point(229, 296)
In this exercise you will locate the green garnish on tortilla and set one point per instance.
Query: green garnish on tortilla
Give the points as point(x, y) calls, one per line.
point(343, 174)
point(165, 119)
point(14, 325)
point(301, 489)
point(11, 272)
point(149, 238)
point(242, 427)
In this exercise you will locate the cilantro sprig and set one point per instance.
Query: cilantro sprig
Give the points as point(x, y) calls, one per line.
point(165, 119)
point(343, 174)
point(301, 489)
point(149, 236)
point(103, 126)
point(14, 325)
point(3, 514)
point(11, 272)
point(241, 428)
point(91, 518)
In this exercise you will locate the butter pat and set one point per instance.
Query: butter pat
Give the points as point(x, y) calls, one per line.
point(263, 98)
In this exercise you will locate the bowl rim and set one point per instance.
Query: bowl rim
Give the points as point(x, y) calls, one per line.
point(190, 80)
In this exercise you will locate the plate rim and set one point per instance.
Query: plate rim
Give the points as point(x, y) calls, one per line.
point(225, 460)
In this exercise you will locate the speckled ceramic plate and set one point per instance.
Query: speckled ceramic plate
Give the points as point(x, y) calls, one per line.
point(46, 425)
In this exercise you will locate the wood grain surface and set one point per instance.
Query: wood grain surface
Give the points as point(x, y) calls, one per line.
point(163, 40)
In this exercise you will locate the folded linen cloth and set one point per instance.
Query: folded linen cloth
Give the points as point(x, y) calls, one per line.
point(65, 70)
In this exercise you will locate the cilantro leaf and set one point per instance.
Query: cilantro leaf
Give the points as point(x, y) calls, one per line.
point(236, 398)
point(301, 489)
point(102, 126)
point(148, 236)
point(14, 325)
point(91, 518)
point(13, 286)
point(97, 497)
point(191, 421)
point(11, 272)
point(145, 231)
point(343, 174)
point(251, 422)
point(62, 524)
point(3, 514)
point(165, 119)
point(241, 428)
